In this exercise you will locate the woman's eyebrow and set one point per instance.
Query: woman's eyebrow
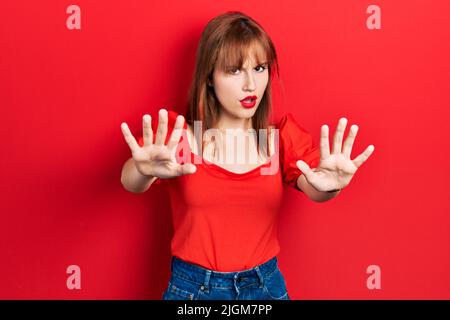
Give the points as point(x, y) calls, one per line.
point(259, 64)
point(264, 62)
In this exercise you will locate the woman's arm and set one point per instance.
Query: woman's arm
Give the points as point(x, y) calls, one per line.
point(313, 193)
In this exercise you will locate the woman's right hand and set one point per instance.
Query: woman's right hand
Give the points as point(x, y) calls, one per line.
point(158, 159)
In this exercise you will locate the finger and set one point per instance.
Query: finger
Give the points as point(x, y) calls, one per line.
point(359, 160)
point(187, 168)
point(161, 132)
point(176, 132)
point(324, 142)
point(130, 140)
point(305, 169)
point(348, 144)
point(338, 135)
point(147, 128)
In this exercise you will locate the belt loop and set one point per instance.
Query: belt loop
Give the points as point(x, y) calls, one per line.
point(207, 277)
point(261, 277)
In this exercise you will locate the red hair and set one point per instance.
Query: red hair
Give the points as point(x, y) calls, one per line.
point(226, 42)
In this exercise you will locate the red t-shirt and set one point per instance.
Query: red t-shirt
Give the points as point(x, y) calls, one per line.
point(226, 221)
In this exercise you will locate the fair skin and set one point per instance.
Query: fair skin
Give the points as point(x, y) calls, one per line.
point(157, 159)
point(230, 86)
point(335, 169)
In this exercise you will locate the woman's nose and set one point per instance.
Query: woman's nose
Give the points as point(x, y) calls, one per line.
point(249, 83)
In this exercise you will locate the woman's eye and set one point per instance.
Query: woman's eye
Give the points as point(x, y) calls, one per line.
point(234, 69)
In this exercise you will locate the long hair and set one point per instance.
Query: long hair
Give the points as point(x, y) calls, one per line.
point(225, 42)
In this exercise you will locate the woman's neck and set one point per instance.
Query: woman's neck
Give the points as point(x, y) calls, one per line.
point(227, 121)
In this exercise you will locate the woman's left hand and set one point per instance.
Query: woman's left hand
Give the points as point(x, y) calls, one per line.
point(335, 170)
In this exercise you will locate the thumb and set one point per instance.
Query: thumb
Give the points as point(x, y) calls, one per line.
point(187, 168)
point(304, 168)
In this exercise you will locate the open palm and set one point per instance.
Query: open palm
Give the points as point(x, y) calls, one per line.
point(158, 159)
point(335, 169)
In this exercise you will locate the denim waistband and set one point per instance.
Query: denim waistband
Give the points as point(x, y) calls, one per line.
point(211, 278)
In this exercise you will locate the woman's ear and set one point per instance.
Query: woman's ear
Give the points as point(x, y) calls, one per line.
point(210, 82)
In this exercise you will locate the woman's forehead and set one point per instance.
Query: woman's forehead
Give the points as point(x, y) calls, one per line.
point(247, 55)
point(255, 55)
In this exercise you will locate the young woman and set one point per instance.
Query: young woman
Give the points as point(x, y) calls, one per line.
point(224, 209)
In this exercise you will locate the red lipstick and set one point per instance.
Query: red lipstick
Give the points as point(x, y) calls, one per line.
point(249, 101)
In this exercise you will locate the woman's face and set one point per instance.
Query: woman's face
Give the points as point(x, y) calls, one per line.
point(234, 84)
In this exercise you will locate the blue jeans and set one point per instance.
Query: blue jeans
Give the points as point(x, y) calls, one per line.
point(192, 282)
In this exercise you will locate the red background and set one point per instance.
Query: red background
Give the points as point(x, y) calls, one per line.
point(65, 92)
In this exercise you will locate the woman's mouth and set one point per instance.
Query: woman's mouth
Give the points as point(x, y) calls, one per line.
point(248, 102)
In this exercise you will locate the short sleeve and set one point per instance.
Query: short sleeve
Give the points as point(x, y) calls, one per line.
point(295, 144)
point(172, 116)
